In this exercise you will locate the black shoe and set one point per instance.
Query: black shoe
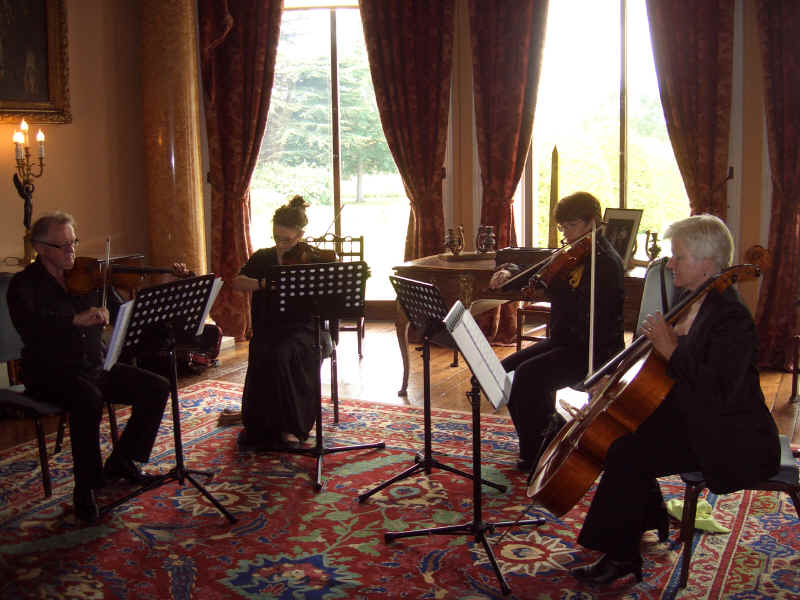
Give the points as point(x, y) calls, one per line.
point(118, 467)
point(662, 526)
point(244, 442)
point(607, 570)
point(525, 465)
point(660, 522)
point(85, 505)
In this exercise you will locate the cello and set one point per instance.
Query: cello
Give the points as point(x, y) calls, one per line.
point(625, 392)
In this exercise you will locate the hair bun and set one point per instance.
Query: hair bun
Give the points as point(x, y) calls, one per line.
point(298, 202)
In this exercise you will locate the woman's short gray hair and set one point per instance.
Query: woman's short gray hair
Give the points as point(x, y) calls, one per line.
point(705, 236)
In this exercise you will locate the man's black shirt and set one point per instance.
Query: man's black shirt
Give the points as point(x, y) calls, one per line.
point(42, 312)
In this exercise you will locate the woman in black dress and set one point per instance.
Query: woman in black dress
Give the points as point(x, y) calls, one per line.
point(280, 396)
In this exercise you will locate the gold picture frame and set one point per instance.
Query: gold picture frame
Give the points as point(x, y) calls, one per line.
point(34, 68)
point(622, 226)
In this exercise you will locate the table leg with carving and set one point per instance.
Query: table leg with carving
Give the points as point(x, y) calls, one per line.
point(401, 329)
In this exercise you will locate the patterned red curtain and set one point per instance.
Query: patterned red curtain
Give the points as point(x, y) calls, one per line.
point(507, 42)
point(410, 49)
point(779, 24)
point(238, 45)
point(693, 51)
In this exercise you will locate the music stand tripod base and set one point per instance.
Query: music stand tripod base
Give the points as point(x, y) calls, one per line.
point(159, 313)
point(325, 291)
point(425, 308)
point(477, 528)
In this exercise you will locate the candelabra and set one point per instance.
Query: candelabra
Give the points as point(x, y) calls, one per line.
point(23, 180)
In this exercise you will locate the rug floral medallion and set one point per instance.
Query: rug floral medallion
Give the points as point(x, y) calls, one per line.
point(292, 542)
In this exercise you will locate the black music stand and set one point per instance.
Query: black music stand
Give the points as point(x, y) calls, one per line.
point(325, 291)
point(160, 314)
point(477, 527)
point(425, 308)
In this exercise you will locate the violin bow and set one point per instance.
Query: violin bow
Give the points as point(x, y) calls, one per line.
point(592, 289)
point(335, 216)
point(105, 273)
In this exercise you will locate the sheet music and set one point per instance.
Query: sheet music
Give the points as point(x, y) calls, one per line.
point(215, 287)
point(480, 356)
point(118, 335)
point(481, 306)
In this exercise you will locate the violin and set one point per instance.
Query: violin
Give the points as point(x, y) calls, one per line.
point(89, 274)
point(558, 265)
point(564, 261)
point(304, 254)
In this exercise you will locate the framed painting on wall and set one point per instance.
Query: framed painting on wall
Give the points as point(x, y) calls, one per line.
point(622, 225)
point(33, 62)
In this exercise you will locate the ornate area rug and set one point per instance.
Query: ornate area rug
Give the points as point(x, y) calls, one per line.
point(293, 542)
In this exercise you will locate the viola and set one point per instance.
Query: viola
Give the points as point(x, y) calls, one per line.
point(634, 386)
point(126, 273)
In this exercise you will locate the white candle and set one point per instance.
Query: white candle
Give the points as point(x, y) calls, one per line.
point(40, 139)
point(19, 140)
point(24, 127)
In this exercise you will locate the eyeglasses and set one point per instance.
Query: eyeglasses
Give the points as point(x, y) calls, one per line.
point(568, 225)
point(64, 246)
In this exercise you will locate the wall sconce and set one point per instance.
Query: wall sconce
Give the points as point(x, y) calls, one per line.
point(23, 179)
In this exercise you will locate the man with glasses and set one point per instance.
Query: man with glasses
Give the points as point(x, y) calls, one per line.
point(62, 360)
point(563, 359)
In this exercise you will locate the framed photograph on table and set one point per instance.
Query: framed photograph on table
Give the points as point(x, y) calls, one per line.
point(622, 225)
point(34, 67)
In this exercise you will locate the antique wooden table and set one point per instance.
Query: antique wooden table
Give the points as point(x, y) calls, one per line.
point(466, 278)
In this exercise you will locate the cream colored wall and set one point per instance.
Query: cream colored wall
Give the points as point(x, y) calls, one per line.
point(95, 165)
point(753, 168)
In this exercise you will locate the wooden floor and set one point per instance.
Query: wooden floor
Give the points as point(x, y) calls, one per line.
point(378, 376)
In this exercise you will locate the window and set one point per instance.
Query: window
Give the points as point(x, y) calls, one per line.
point(578, 112)
point(361, 195)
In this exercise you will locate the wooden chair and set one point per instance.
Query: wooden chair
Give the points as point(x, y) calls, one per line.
point(16, 403)
point(786, 480)
point(349, 249)
point(795, 398)
point(659, 293)
point(542, 311)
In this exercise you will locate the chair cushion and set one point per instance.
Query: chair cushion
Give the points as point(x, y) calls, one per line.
point(326, 343)
point(787, 472)
point(11, 398)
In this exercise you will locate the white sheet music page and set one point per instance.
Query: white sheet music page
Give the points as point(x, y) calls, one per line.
point(118, 335)
point(215, 287)
point(479, 354)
